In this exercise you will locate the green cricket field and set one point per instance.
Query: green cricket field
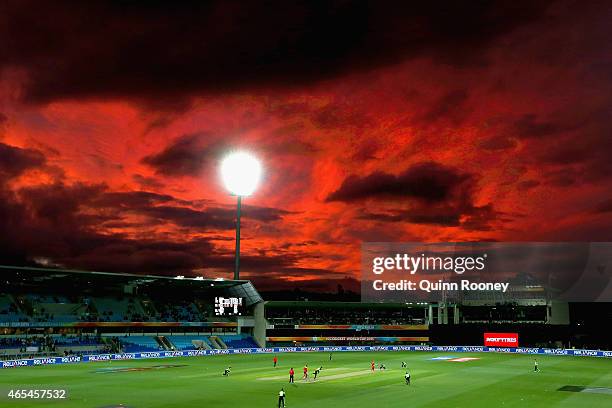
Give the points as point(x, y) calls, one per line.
point(439, 380)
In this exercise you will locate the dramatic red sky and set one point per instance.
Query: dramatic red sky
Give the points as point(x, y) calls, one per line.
point(474, 121)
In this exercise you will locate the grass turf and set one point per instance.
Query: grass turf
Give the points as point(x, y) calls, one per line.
point(494, 380)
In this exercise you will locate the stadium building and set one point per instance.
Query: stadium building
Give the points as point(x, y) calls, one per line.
point(47, 312)
point(50, 312)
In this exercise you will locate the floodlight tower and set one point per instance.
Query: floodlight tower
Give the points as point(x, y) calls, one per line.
point(241, 172)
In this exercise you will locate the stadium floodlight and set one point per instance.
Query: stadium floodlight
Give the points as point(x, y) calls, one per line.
point(240, 172)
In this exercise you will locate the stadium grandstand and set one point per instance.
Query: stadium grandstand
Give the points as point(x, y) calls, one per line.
point(47, 312)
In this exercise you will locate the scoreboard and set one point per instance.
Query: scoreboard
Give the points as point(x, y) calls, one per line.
point(229, 306)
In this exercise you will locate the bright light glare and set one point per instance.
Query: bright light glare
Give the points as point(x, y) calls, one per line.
point(240, 172)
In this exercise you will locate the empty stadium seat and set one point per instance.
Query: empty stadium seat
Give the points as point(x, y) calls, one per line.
point(239, 341)
point(186, 342)
point(132, 344)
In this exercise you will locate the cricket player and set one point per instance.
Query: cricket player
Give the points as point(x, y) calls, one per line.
point(535, 365)
point(317, 372)
point(227, 371)
point(275, 360)
point(305, 372)
point(404, 365)
point(407, 377)
point(291, 374)
point(281, 398)
point(372, 366)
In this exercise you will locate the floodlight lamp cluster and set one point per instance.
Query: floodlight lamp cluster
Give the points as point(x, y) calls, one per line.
point(241, 173)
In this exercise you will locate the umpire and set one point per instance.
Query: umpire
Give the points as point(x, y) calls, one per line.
point(281, 398)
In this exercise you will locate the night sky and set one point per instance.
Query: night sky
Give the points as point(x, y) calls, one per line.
point(375, 121)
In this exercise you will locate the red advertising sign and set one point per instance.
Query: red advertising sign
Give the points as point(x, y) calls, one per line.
point(501, 339)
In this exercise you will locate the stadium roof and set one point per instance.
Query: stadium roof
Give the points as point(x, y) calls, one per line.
point(13, 277)
point(345, 305)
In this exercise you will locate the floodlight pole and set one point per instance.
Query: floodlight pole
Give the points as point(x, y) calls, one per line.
point(237, 267)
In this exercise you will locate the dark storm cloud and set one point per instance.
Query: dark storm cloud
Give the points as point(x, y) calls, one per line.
point(163, 207)
point(62, 223)
point(464, 215)
point(264, 214)
point(580, 151)
point(527, 185)
point(144, 50)
point(184, 156)
point(287, 146)
point(38, 222)
point(276, 287)
point(567, 154)
point(147, 182)
point(187, 217)
point(431, 194)
point(498, 143)
point(66, 224)
point(3, 121)
point(14, 160)
point(120, 254)
point(58, 202)
point(430, 182)
point(563, 177)
point(530, 126)
point(289, 245)
point(131, 199)
point(603, 207)
point(188, 155)
point(449, 106)
point(482, 218)
point(448, 219)
point(340, 115)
